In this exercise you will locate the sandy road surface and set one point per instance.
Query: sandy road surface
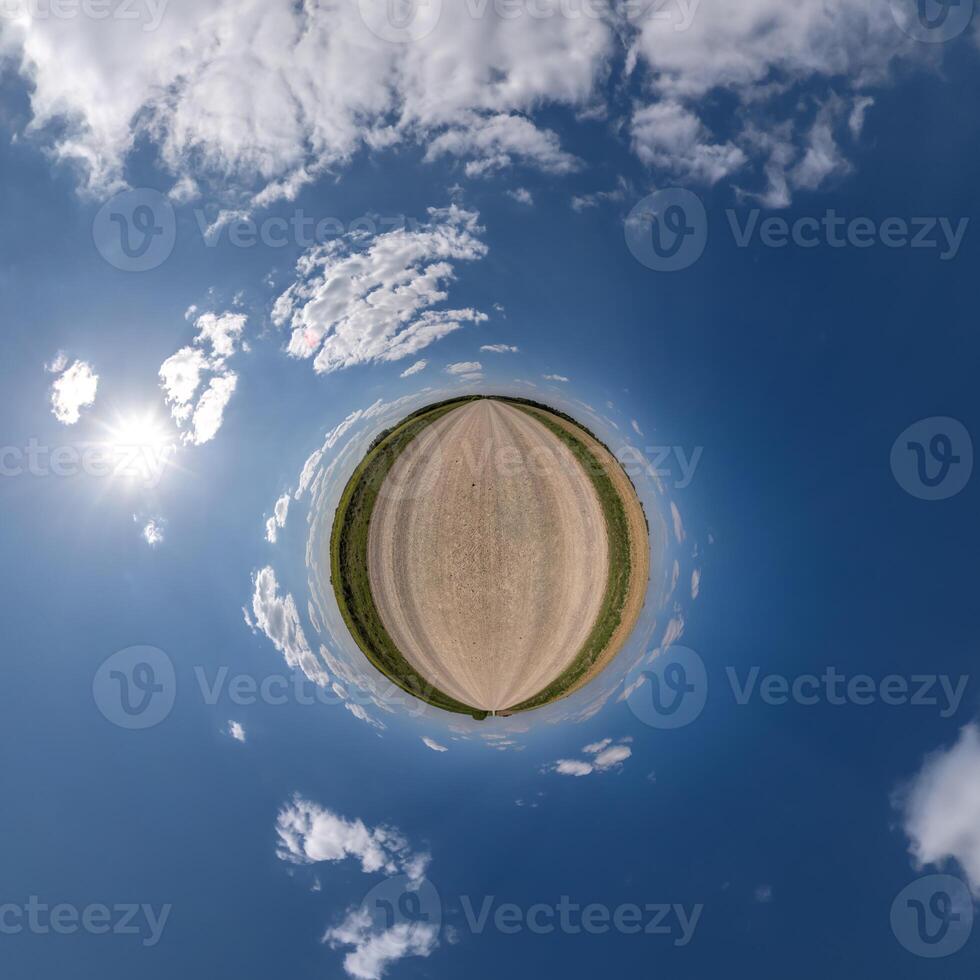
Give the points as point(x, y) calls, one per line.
point(488, 555)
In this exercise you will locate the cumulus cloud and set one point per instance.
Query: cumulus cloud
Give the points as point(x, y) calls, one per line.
point(202, 367)
point(669, 137)
point(269, 94)
point(362, 299)
point(277, 616)
point(251, 100)
point(414, 369)
point(606, 754)
point(236, 730)
point(278, 519)
point(433, 744)
point(374, 949)
point(464, 367)
point(500, 348)
point(941, 807)
point(309, 834)
point(497, 142)
point(73, 389)
point(572, 767)
point(522, 195)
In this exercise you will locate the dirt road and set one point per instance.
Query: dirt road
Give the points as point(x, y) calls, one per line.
point(488, 555)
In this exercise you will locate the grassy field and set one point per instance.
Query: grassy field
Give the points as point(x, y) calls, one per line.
point(349, 566)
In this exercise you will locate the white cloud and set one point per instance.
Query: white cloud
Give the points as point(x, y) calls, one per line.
point(941, 807)
point(492, 144)
point(636, 428)
point(522, 195)
point(554, 377)
point(361, 299)
point(572, 767)
point(153, 533)
point(236, 730)
point(278, 519)
point(223, 333)
point(434, 745)
point(210, 410)
point(606, 754)
point(596, 747)
point(278, 618)
point(464, 367)
point(669, 137)
point(375, 950)
point(500, 348)
point(761, 53)
point(855, 121)
point(270, 94)
point(182, 374)
point(613, 756)
point(582, 202)
point(310, 834)
point(57, 364)
point(73, 390)
point(414, 369)
point(251, 100)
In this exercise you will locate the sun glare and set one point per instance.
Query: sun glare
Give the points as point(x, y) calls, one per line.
point(141, 432)
point(141, 447)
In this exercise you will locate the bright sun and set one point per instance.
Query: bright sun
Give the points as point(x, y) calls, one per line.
point(142, 448)
point(141, 432)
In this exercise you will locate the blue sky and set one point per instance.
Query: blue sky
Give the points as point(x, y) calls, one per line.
point(474, 180)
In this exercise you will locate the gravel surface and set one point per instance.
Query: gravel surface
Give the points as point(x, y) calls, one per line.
point(488, 555)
